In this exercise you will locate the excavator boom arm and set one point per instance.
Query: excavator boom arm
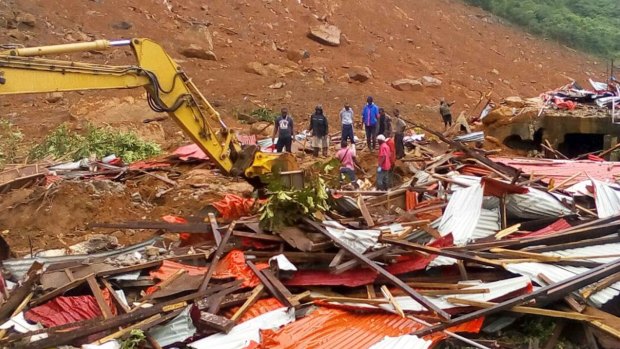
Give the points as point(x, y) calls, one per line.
point(169, 88)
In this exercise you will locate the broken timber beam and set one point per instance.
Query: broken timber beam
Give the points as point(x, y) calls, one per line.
point(275, 287)
point(394, 280)
point(542, 295)
point(218, 254)
point(21, 292)
point(216, 322)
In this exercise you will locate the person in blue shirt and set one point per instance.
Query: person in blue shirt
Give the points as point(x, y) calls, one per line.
point(369, 119)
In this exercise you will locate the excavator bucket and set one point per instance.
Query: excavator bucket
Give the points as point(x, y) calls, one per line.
point(251, 163)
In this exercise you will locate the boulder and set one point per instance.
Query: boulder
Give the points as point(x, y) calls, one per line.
point(360, 74)
point(429, 81)
point(195, 51)
point(278, 70)
point(515, 102)
point(122, 25)
point(326, 34)
point(257, 68)
point(407, 85)
point(26, 19)
point(277, 85)
point(262, 128)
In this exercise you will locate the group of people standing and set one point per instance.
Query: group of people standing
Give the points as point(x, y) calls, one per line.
point(388, 131)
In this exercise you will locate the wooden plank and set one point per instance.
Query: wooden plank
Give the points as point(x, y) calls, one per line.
point(266, 237)
point(370, 291)
point(274, 286)
point(569, 298)
point(59, 291)
point(338, 258)
point(394, 280)
point(555, 335)
point(218, 254)
point(543, 295)
point(505, 232)
point(215, 229)
point(216, 322)
point(586, 292)
point(367, 217)
point(444, 252)
point(375, 301)
point(21, 292)
point(388, 295)
point(352, 263)
point(128, 329)
point(18, 310)
point(448, 292)
point(526, 310)
point(256, 293)
point(94, 288)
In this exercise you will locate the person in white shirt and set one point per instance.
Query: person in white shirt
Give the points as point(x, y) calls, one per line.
point(346, 118)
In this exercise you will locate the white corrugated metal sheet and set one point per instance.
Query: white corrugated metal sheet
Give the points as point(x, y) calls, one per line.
point(360, 240)
point(560, 273)
point(607, 199)
point(241, 335)
point(496, 289)
point(404, 342)
point(488, 224)
point(535, 204)
point(462, 214)
point(177, 330)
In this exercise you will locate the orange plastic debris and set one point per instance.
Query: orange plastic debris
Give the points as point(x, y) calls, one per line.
point(234, 206)
point(334, 329)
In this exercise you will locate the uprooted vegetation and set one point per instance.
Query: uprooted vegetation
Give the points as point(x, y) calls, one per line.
point(63, 143)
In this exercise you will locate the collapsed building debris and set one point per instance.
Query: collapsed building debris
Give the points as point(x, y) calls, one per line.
point(470, 241)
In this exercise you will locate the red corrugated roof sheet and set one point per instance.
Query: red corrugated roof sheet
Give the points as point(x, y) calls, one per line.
point(563, 169)
point(351, 278)
point(65, 310)
point(556, 226)
point(333, 329)
point(407, 264)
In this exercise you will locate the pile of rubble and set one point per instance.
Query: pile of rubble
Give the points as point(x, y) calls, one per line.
point(467, 245)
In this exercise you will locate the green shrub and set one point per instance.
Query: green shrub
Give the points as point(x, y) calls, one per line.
point(10, 137)
point(63, 143)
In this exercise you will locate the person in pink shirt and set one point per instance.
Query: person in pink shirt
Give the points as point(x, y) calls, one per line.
point(385, 164)
point(347, 157)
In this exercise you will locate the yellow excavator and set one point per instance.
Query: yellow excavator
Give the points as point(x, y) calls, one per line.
point(168, 87)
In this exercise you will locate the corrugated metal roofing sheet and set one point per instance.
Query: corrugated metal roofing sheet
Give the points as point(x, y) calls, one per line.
point(563, 169)
point(405, 342)
point(496, 289)
point(176, 330)
point(19, 267)
point(335, 329)
point(559, 273)
point(488, 224)
point(350, 278)
point(535, 204)
point(462, 214)
point(607, 199)
point(359, 240)
point(241, 335)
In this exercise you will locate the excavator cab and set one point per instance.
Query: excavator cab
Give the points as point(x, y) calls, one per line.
point(169, 89)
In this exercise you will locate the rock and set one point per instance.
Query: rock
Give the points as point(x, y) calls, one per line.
point(515, 102)
point(54, 97)
point(326, 34)
point(122, 25)
point(495, 71)
point(27, 19)
point(277, 85)
point(195, 51)
point(297, 55)
point(407, 85)
point(279, 70)
point(262, 128)
point(429, 81)
point(256, 68)
point(17, 34)
point(360, 74)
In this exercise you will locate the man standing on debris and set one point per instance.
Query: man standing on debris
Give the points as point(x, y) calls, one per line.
point(399, 134)
point(284, 129)
point(369, 118)
point(348, 160)
point(320, 131)
point(346, 118)
point(383, 170)
point(385, 124)
point(446, 113)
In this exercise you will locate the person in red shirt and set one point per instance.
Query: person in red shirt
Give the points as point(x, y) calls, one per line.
point(390, 142)
point(385, 165)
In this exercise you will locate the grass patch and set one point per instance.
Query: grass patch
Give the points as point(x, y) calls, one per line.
point(10, 137)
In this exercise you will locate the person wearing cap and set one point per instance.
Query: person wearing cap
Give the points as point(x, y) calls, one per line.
point(346, 119)
point(369, 119)
point(384, 165)
point(319, 129)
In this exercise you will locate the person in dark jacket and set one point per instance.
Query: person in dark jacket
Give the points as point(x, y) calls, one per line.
point(284, 129)
point(385, 124)
point(399, 134)
point(320, 130)
point(446, 113)
point(369, 119)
